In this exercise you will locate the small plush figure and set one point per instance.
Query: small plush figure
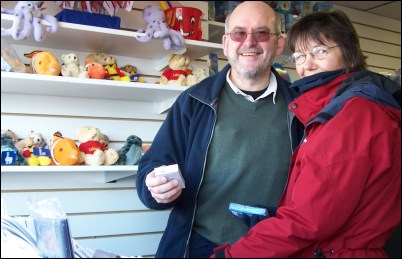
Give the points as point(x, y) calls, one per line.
point(158, 29)
point(131, 152)
point(64, 151)
point(92, 150)
point(11, 134)
point(131, 71)
point(27, 17)
point(32, 141)
point(95, 58)
point(177, 72)
point(9, 153)
point(43, 63)
point(113, 72)
point(71, 66)
point(96, 71)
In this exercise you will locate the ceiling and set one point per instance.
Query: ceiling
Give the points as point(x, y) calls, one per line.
point(390, 9)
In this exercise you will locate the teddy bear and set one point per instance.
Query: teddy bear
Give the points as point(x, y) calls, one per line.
point(71, 66)
point(177, 71)
point(43, 63)
point(131, 71)
point(92, 151)
point(113, 72)
point(30, 147)
point(95, 58)
point(198, 75)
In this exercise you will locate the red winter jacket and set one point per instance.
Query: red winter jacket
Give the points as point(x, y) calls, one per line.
point(343, 198)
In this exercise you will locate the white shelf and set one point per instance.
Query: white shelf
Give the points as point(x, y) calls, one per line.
point(111, 173)
point(162, 96)
point(115, 42)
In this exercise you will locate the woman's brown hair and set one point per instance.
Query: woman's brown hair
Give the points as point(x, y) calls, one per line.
point(334, 26)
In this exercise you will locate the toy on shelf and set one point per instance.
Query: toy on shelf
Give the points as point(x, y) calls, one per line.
point(158, 29)
point(27, 17)
point(178, 72)
point(131, 71)
point(43, 63)
point(131, 152)
point(91, 148)
point(71, 66)
point(113, 72)
point(64, 151)
point(32, 148)
point(10, 60)
point(9, 153)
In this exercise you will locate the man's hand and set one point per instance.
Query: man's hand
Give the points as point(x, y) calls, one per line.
point(162, 190)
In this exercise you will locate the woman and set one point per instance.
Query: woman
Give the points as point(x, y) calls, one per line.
point(343, 197)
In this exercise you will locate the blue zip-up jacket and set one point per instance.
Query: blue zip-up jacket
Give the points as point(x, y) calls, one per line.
point(183, 139)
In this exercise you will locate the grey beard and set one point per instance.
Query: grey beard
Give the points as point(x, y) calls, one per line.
point(252, 74)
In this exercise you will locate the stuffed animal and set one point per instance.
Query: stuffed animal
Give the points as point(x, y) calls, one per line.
point(27, 147)
point(92, 150)
point(113, 72)
point(10, 134)
point(27, 17)
point(131, 152)
point(177, 72)
point(64, 151)
point(95, 58)
point(131, 71)
point(96, 71)
point(43, 63)
point(12, 155)
point(71, 66)
point(196, 76)
point(157, 28)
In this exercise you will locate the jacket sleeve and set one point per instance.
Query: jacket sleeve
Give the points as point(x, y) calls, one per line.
point(326, 191)
point(168, 147)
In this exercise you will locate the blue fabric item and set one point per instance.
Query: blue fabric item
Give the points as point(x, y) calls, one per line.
point(310, 82)
point(92, 19)
point(199, 246)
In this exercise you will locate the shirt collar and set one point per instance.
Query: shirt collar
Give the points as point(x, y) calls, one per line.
point(272, 87)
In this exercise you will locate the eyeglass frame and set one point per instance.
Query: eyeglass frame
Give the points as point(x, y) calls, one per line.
point(252, 33)
point(304, 55)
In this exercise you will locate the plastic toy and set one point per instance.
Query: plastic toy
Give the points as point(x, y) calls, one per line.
point(158, 29)
point(27, 17)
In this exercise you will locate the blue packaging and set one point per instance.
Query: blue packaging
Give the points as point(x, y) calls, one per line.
point(92, 19)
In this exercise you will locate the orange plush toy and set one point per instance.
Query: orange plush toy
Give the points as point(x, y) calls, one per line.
point(43, 63)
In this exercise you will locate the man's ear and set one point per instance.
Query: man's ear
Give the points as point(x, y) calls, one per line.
point(225, 39)
point(281, 44)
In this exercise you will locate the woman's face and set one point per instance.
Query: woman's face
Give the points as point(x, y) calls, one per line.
point(333, 60)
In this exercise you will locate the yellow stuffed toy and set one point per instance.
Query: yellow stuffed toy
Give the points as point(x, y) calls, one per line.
point(43, 63)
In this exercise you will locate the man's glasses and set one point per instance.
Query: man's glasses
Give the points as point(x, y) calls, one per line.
point(259, 36)
point(318, 52)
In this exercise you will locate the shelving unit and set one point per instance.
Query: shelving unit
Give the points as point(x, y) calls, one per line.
point(111, 173)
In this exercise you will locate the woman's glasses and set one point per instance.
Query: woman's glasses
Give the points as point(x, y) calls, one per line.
point(259, 36)
point(318, 52)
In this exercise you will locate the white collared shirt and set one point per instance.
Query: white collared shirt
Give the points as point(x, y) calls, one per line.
point(272, 87)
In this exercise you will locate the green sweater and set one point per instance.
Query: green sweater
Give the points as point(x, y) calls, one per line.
point(247, 163)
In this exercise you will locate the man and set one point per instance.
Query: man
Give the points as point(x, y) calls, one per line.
point(229, 134)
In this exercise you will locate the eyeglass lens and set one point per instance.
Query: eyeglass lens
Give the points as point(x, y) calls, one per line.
point(318, 52)
point(259, 36)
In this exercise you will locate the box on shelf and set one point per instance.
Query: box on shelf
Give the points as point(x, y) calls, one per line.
point(86, 18)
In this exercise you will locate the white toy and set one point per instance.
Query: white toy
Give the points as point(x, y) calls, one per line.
point(27, 17)
point(71, 66)
point(157, 28)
